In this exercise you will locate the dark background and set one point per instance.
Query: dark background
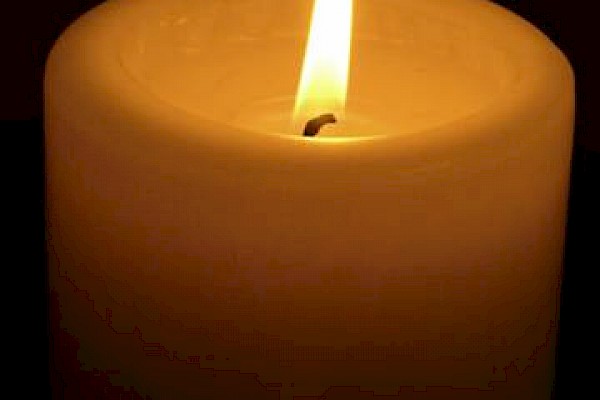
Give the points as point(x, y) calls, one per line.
point(31, 28)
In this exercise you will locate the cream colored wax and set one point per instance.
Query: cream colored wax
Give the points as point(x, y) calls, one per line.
point(417, 244)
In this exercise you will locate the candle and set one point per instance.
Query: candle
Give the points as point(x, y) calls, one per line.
point(199, 244)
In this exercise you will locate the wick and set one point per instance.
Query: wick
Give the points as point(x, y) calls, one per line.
point(314, 125)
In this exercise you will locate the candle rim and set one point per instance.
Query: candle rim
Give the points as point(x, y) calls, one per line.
point(455, 133)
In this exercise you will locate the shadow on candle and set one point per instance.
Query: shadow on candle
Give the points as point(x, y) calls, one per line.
point(138, 367)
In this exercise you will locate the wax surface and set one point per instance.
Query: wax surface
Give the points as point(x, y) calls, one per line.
point(425, 252)
point(404, 80)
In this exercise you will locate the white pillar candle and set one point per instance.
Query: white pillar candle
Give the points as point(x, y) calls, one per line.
point(418, 244)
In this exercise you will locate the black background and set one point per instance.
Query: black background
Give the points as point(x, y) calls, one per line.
point(31, 28)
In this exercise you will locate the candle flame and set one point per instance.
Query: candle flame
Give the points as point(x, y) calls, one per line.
point(324, 79)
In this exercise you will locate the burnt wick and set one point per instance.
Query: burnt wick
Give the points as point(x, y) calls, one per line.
point(314, 125)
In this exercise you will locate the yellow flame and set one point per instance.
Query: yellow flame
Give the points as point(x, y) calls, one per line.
point(324, 79)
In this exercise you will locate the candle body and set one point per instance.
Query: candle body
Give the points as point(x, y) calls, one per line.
point(428, 254)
